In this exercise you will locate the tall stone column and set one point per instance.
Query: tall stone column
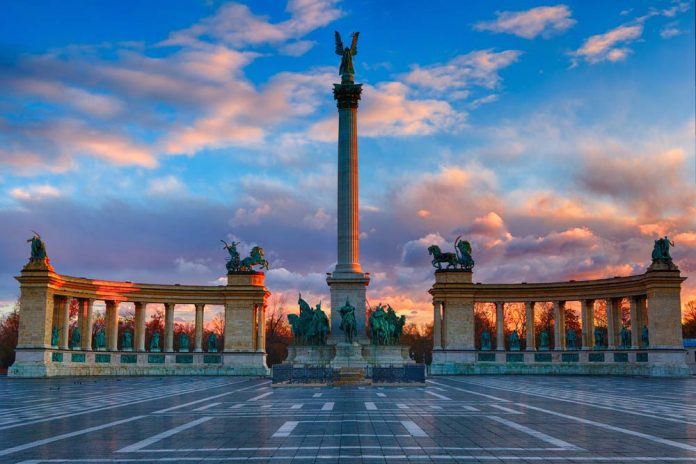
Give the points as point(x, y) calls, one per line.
point(587, 324)
point(65, 322)
point(87, 307)
point(635, 329)
point(112, 325)
point(169, 327)
point(348, 282)
point(199, 328)
point(437, 325)
point(140, 317)
point(500, 325)
point(260, 345)
point(612, 311)
point(559, 325)
point(529, 325)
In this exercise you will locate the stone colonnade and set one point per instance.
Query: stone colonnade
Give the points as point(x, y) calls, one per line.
point(638, 311)
point(45, 306)
point(654, 299)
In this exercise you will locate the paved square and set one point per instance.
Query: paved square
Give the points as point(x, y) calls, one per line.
point(452, 419)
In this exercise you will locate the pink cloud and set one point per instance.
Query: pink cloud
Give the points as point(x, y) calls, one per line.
point(546, 21)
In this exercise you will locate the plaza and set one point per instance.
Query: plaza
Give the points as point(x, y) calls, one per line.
point(505, 419)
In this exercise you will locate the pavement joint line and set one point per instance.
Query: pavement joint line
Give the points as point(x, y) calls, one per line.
point(503, 408)
point(381, 457)
point(537, 434)
point(263, 395)
point(191, 403)
point(161, 436)
point(286, 429)
point(437, 395)
point(207, 406)
point(34, 444)
point(370, 406)
point(328, 406)
point(470, 391)
point(646, 436)
point(413, 428)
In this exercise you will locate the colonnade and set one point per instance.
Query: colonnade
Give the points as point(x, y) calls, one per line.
point(85, 323)
point(638, 318)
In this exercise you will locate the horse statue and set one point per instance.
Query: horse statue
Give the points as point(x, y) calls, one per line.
point(378, 326)
point(256, 258)
point(294, 321)
point(439, 257)
point(463, 250)
point(348, 323)
point(234, 262)
point(311, 326)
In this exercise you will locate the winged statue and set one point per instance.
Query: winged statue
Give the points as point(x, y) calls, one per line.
point(346, 71)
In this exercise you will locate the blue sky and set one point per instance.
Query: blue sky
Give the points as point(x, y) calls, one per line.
point(558, 137)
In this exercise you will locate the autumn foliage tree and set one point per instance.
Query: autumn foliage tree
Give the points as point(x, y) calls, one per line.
point(9, 332)
point(689, 320)
point(278, 332)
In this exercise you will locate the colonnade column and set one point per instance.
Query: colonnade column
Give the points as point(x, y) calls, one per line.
point(587, 324)
point(500, 325)
point(86, 308)
point(112, 325)
point(642, 310)
point(169, 327)
point(65, 324)
point(529, 325)
point(437, 325)
point(559, 325)
point(199, 328)
point(140, 316)
point(635, 329)
point(612, 322)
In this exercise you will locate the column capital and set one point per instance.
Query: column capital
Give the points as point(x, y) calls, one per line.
point(347, 95)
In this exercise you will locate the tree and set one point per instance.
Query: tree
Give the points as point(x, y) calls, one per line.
point(155, 324)
point(278, 332)
point(689, 320)
point(484, 317)
point(9, 333)
point(419, 341)
point(544, 321)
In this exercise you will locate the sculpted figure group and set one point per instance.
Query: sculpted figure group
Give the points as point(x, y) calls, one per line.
point(385, 326)
point(461, 258)
point(311, 327)
point(235, 264)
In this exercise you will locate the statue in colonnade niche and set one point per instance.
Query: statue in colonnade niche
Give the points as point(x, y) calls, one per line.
point(514, 341)
point(75, 338)
point(100, 339)
point(233, 262)
point(183, 342)
point(571, 339)
point(461, 258)
point(311, 326)
point(625, 338)
point(127, 341)
point(599, 338)
point(544, 341)
point(212, 343)
point(644, 337)
point(54, 336)
point(485, 341)
point(348, 324)
point(155, 342)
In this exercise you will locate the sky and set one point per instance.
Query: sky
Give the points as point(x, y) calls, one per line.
point(557, 137)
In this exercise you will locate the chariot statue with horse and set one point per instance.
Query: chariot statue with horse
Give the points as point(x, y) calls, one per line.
point(311, 326)
point(255, 258)
point(460, 259)
point(386, 327)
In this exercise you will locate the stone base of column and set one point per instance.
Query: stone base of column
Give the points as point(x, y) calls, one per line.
point(353, 288)
point(321, 355)
point(348, 355)
point(378, 355)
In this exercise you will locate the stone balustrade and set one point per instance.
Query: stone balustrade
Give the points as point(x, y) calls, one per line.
point(45, 304)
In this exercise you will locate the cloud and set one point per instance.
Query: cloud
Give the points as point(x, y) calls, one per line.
point(546, 21)
point(35, 192)
point(605, 47)
point(163, 186)
point(198, 266)
point(670, 30)
point(235, 25)
point(478, 68)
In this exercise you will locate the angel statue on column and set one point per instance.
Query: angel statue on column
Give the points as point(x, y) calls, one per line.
point(346, 71)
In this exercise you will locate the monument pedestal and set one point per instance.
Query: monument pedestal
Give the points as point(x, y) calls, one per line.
point(310, 355)
point(348, 355)
point(380, 355)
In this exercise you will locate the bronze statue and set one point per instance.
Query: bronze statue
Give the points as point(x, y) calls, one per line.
point(544, 341)
point(348, 324)
point(661, 249)
point(256, 258)
point(463, 247)
point(514, 341)
point(54, 336)
point(625, 338)
point(75, 339)
point(461, 258)
point(386, 327)
point(233, 262)
point(212, 343)
point(346, 70)
point(38, 247)
point(311, 327)
point(485, 341)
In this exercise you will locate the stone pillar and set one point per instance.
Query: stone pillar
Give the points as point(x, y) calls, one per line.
point(169, 327)
point(37, 307)
point(199, 328)
point(112, 325)
point(65, 324)
point(87, 308)
point(529, 325)
point(612, 323)
point(500, 325)
point(81, 321)
point(559, 325)
point(459, 324)
point(587, 324)
point(664, 303)
point(239, 326)
point(437, 325)
point(260, 346)
point(635, 329)
point(140, 319)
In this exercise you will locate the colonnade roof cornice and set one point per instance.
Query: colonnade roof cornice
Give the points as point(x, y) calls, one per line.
point(616, 287)
point(80, 287)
